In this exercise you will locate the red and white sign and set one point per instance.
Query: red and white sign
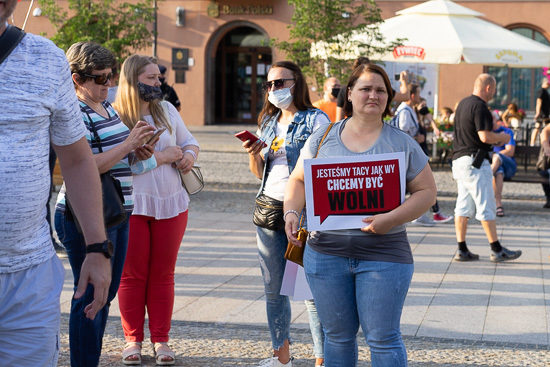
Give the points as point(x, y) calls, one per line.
point(410, 51)
point(342, 191)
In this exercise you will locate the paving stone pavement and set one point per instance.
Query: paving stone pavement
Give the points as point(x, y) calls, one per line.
point(475, 314)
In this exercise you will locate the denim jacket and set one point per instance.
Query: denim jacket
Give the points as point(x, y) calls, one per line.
point(298, 131)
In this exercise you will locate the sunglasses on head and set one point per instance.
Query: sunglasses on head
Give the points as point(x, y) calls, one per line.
point(278, 83)
point(101, 79)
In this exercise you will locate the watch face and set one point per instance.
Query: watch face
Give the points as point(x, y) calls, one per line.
point(110, 247)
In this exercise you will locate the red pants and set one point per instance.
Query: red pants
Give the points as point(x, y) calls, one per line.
point(148, 277)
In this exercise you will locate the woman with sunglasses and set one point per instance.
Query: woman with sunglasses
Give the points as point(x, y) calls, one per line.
point(91, 66)
point(285, 122)
point(158, 222)
point(361, 276)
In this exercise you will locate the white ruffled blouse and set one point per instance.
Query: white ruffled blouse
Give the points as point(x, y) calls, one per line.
point(159, 193)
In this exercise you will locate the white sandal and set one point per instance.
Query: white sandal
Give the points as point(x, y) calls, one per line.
point(164, 356)
point(132, 349)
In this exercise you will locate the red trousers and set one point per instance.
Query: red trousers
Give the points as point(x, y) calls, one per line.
point(147, 282)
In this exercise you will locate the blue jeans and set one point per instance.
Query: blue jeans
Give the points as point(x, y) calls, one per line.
point(316, 328)
point(349, 292)
point(271, 249)
point(507, 167)
point(85, 335)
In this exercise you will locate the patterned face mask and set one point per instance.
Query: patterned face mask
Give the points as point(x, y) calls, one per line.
point(148, 92)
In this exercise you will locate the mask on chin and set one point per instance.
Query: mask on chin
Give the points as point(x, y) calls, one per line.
point(280, 98)
point(148, 92)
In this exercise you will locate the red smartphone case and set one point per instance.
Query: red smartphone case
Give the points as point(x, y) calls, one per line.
point(247, 135)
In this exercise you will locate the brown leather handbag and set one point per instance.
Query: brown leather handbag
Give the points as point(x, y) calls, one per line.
point(296, 253)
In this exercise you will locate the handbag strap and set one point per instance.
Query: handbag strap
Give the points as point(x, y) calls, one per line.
point(302, 216)
point(92, 128)
point(9, 40)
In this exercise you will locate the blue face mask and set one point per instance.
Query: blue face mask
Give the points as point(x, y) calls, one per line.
point(281, 98)
point(148, 92)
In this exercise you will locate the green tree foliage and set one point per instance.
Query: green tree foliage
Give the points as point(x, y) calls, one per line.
point(331, 26)
point(119, 26)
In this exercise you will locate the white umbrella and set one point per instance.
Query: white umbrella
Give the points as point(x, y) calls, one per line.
point(443, 32)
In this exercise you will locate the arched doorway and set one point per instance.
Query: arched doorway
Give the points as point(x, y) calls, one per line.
point(239, 69)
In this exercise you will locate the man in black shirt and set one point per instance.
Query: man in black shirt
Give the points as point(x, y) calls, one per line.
point(542, 110)
point(168, 93)
point(472, 169)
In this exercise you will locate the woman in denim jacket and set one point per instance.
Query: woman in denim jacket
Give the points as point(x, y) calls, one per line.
point(285, 122)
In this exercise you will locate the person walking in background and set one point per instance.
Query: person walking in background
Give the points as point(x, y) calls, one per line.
point(503, 163)
point(112, 144)
point(545, 146)
point(361, 276)
point(285, 122)
point(168, 93)
point(327, 104)
point(398, 96)
point(542, 110)
point(408, 121)
point(472, 170)
point(39, 110)
point(159, 219)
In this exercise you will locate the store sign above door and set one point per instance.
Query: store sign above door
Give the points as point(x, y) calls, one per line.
point(214, 10)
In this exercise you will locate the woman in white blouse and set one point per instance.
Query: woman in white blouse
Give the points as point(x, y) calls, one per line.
point(159, 218)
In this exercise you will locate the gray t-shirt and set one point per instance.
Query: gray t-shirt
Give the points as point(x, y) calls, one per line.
point(393, 246)
point(38, 103)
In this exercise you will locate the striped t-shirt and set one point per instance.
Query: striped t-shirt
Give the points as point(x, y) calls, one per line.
point(112, 132)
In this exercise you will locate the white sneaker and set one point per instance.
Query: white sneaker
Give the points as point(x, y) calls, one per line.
point(274, 362)
point(424, 220)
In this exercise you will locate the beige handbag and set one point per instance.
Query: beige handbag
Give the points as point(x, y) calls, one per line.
point(192, 181)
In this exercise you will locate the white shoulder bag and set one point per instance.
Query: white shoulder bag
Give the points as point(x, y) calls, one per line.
point(192, 181)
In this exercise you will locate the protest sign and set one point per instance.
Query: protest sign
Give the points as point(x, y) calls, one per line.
point(342, 191)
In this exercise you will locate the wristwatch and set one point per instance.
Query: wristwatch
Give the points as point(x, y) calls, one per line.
point(105, 247)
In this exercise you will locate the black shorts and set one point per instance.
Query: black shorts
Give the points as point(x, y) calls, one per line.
point(541, 121)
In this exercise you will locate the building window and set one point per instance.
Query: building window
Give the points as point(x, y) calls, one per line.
point(518, 85)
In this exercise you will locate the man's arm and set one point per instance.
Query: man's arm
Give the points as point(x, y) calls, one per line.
point(404, 93)
point(489, 137)
point(84, 190)
point(538, 105)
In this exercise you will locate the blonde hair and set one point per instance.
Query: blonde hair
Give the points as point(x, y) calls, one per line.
point(128, 103)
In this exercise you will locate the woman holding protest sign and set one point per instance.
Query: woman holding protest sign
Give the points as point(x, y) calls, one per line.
point(361, 276)
point(285, 122)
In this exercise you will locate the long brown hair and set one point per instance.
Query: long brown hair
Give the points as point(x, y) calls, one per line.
point(127, 102)
point(300, 97)
point(360, 70)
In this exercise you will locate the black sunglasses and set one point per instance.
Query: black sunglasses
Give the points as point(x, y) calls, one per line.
point(278, 83)
point(101, 79)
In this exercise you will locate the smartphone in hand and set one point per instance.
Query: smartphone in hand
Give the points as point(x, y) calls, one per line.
point(155, 135)
point(247, 135)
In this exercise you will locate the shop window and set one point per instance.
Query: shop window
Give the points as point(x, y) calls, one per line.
point(518, 85)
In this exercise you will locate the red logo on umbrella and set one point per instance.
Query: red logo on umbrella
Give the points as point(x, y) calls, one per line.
point(413, 51)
